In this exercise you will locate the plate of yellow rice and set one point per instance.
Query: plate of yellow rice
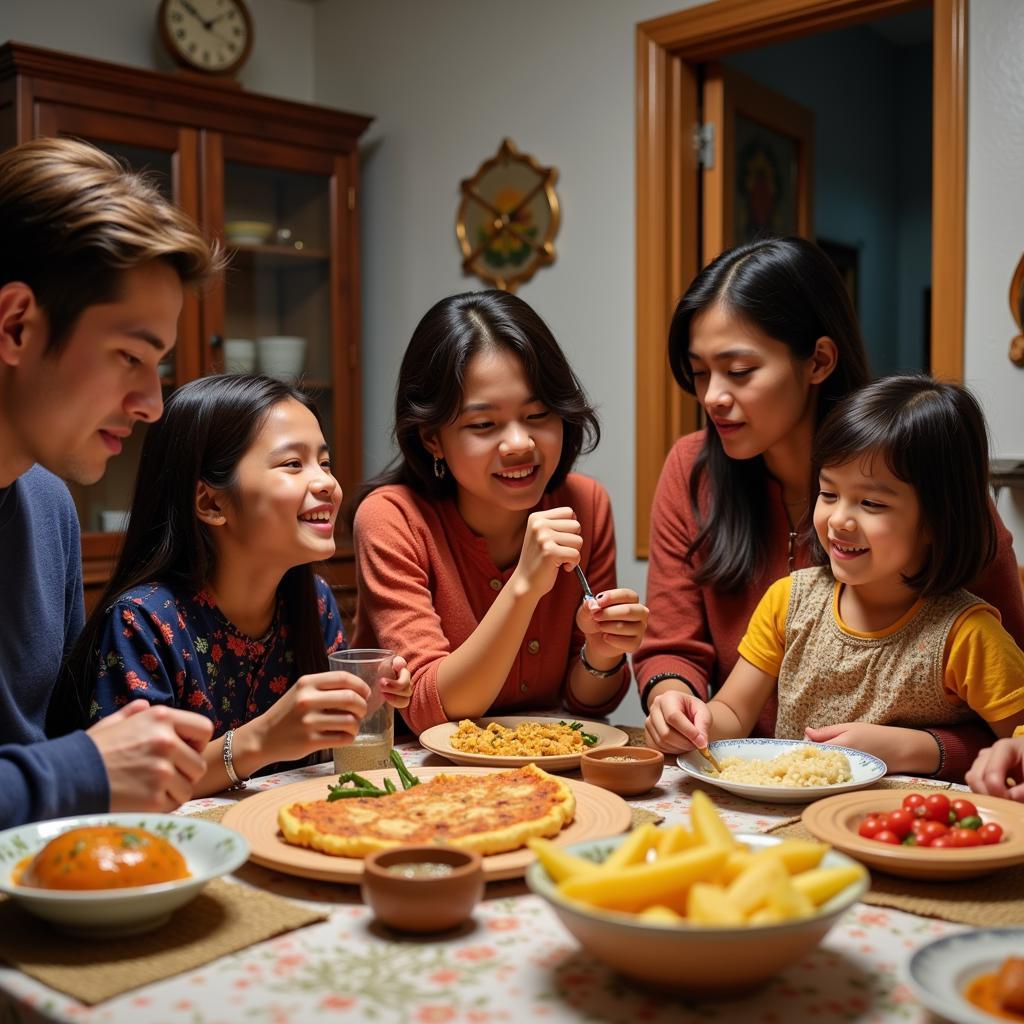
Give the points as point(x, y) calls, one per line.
point(554, 744)
point(784, 771)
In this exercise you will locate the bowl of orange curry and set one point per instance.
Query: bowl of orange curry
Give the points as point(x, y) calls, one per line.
point(114, 874)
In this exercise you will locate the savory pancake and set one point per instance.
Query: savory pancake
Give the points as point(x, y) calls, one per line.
point(489, 813)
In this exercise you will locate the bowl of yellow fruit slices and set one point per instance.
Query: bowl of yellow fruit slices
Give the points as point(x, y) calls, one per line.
point(698, 910)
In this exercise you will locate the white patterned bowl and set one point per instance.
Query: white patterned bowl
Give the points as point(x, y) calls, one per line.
point(938, 972)
point(701, 960)
point(865, 770)
point(209, 850)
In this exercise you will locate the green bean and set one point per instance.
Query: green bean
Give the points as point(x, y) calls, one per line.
point(345, 792)
point(588, 737)
point(407, 778)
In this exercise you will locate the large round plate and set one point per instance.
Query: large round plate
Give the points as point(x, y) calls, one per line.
point(437, 739)
point(865, 769)
point(209, 850)
point(598, 814)
point(938, 972)
point(835, 821)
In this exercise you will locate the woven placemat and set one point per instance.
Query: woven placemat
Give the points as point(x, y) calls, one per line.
point(641, 816)
point(994, 900)
point(223, 918)
point(635, 734)
point(212, 813)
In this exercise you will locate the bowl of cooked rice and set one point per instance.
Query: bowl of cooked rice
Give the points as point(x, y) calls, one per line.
point(784, 771)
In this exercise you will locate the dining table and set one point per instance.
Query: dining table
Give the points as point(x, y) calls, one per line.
point(513, 962)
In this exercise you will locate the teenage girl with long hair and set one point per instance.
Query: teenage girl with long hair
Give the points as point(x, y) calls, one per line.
point(213, 605)
point(465, 548)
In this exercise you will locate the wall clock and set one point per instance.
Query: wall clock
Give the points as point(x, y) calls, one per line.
point(211, 36)
point(508, 218)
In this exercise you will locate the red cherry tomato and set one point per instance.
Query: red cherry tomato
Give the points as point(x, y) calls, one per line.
point(964, 809)
point(870, 827)
point(990, 833)
point(919, 824)
point(942, 842)
point(931, 831)
point(964, 837)
point(885, 836)
point(936, 807)
point(914, 803)
point(900, 822)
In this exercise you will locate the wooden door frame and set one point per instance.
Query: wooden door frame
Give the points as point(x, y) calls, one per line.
point(668, 52)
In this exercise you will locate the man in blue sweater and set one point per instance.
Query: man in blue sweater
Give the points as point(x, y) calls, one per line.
point(92, 270)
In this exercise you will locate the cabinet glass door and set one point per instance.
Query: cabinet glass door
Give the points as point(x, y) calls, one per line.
point(283, 307)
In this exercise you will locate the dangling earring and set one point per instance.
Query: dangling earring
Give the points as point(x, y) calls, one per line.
point(439, 468)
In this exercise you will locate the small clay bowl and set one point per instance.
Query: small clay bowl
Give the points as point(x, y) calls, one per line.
point(608, 769)
point(427, 902)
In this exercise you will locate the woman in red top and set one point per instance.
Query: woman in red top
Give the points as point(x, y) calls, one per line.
point(767, 340)
point(465, 548)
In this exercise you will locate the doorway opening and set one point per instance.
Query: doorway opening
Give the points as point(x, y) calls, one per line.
point(880, 182)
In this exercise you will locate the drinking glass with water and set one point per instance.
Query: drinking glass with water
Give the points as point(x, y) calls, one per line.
point(376, 735)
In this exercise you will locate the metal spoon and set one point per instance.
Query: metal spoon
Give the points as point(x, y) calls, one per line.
point(588, 594)
point(706, 753)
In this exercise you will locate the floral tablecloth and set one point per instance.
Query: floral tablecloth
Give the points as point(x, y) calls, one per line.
point(514, 964)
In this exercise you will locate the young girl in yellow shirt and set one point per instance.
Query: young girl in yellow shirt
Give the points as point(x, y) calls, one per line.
point(880, 641)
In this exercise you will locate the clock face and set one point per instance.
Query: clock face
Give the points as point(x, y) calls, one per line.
point(209, 35)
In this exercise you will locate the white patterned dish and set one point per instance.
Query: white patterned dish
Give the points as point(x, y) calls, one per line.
point(209, 850)
point(938, 972)
point(864, 768)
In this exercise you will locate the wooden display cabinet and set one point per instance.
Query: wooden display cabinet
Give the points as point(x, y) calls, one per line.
point(277, 182)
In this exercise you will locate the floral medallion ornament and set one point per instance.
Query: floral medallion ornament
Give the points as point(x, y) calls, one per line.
point(508, 218)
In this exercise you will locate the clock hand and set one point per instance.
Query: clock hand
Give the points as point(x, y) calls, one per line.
point(191, 10)
point(227, 42)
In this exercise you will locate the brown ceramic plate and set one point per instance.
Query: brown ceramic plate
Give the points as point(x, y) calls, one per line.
point(598, 814)
point(835, 819)
point(437, 739)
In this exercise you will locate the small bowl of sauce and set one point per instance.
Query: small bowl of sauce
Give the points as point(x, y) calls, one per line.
point(628, 771)
point(423, 888)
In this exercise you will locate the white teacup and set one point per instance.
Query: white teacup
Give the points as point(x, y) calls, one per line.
point(282, 355)
point(239, 355)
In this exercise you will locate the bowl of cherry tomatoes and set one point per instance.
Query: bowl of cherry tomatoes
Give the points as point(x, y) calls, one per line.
point(934, 821)
point(943, 835)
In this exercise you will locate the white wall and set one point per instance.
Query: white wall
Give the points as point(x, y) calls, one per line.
point(125, 32)
point(447, 80)
point(995, 227)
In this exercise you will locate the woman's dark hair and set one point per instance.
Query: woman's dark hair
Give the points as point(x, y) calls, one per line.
point(430, 383)
point(932, 436)
point(790, 290)
point(207, 427)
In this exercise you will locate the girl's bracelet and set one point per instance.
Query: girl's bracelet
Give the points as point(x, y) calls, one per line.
point(229, 765)
point(600, 672)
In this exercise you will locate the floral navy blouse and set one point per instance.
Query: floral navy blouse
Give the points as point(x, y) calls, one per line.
point(183, 652)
